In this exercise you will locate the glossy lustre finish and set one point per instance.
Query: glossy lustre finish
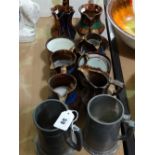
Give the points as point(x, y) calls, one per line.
point(90, 19)
point(63, 22)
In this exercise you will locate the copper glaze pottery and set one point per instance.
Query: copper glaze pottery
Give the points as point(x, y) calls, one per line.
point(92, 42)
point(122, 18)
point(63, 59)
point(98, 80)
point(63, 21)
point(95, 61)
point(64, 86)
point(56, 44)
point(90, 19)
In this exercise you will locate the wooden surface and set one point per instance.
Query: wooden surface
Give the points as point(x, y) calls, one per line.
point(34, 73)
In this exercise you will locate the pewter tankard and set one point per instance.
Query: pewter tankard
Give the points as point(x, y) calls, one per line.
point(50, 140)
point(101, 132)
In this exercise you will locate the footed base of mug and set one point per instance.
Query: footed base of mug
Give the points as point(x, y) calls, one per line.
point(39, 151)
point(111, 151)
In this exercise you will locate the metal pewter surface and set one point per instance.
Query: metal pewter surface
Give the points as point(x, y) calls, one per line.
point(39, 151)
point(111, 151)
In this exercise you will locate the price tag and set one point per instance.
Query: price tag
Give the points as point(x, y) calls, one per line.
point(64, 120)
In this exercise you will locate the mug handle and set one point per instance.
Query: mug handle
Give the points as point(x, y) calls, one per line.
point(117, 83)
point(85, 58)
point(72, 49)
point(131, 126)
point(51, 62)
point(75, 141)
point(63, 69)
point(51, 65)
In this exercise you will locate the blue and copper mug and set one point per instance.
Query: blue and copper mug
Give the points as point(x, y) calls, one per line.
point(63, 59)
point(64, 85)
point(92, 42)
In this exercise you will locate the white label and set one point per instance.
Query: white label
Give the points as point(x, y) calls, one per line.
point(64, 120)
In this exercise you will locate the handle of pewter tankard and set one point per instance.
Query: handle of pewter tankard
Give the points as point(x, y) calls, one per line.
point(119, 85)
point(131, 126)
point(75, 140)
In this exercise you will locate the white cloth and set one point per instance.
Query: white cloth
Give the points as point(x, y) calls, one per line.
point(28, 16)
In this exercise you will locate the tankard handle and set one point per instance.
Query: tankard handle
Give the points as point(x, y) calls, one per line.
point(117, 83)
point(131, 126)
point(75, 140)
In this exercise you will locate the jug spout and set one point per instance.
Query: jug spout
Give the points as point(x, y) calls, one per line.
point(84, 72)
point(93, 76)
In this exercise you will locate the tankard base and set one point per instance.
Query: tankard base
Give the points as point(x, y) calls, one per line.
point(111, 151)
point(39, 151)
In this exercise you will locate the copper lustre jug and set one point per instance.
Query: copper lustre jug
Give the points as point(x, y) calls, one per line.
point(98, 80)
point(63, 20)
point(90, 19)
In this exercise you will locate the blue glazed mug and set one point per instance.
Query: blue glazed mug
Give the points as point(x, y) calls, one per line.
point(64, 85)
point(63, 59)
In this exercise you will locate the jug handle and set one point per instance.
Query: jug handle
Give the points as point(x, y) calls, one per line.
point(79, 139)
point(72, 49)
point(64, 69)
point(117, 83)
point(131, 126)
point(83, 39)
point(85, 57)
point(63, 98)
point(51, 65)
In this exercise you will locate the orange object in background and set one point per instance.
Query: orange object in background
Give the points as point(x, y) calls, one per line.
point(124, 17)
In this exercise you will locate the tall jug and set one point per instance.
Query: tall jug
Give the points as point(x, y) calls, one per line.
point(63, 20)
point(90, 19)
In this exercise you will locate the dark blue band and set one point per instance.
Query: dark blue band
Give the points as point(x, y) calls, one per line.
point(71, 98)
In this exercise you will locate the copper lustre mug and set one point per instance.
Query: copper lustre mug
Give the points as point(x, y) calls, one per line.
point(64, 86)
point(95, 60)
point(63, 59)
point(56, 44)
point(92, 42)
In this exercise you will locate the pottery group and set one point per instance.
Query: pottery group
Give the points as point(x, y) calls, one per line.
point(81, 82)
